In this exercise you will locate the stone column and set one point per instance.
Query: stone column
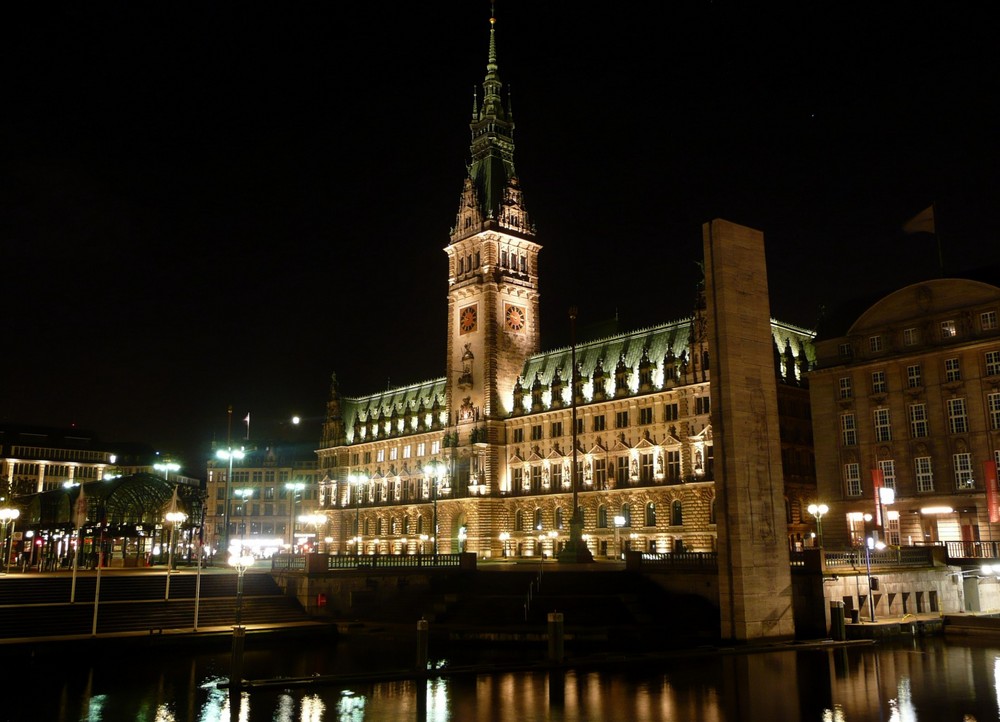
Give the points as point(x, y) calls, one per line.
point(755, 582)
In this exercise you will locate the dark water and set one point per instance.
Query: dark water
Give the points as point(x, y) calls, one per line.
point(925, 680)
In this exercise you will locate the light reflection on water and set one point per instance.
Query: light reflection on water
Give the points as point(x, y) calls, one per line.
point(920, 681)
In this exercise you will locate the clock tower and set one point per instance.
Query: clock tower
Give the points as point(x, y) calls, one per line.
point(492, 290)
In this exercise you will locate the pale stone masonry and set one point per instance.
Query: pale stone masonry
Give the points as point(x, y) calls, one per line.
point(755, 581)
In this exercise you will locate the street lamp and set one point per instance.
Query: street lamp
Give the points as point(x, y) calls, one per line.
point(356, 480)
point(239, 562)
point(166, 467)
point(313, 520)
point(8, 515)
point(504, 538)
point(243, 494)
point(295, 487)
point(871, 543)
point(228, 454)
point(174, 517)
point(886, 497)
point(435, 471)
point(818, 510)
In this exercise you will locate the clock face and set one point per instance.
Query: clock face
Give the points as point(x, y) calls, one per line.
point(514, 317)
point(467, 319)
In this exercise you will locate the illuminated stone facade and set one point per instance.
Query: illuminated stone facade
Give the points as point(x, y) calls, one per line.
point(907, 393)
point(500, 422)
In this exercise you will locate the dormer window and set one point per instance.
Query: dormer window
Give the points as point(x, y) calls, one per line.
point(948, 329)
point(875, 343)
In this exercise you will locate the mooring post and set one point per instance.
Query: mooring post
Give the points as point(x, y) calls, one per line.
point(422, 634)
point(556, 637)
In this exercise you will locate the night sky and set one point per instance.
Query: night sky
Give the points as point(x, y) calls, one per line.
point(214, 204)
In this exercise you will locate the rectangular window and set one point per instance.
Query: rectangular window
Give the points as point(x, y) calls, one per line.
point(918, 420)
point(517, 478)
point(911, 336)
point(670, 412)
point(621, 470)
point(888, 469)
point(435, 447)
point(646, 468)
point(702, 405)
point(993, 408)
point(536, 432)
point(380, 455)
point(579, 425)
point(368, 457)
point(925, 474)
point(883, 425)
point(914, 377)
point(963, 471)
point(556, 429)
point(846, 389)
point(852, 479)
point(875, 343)
point(845, 351)
point(536, 478)
point(599, 423)
point(952, 370)
point(421, 448)
point(646, 415)
point(958, 421)
point(674, 465)
point(948, 329)
point(393, 453)
point(355, 459)
point(519, 436)
point(988, 320)
point(621, 419)
point(849, 431)
point(407, 451)
point(601, 473)
point(557, 475)
point(878, 382)
point(993, 363)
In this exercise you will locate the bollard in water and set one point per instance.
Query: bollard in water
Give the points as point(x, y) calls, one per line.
point(556, 637)
point(422, 634)
point(838, 632)
point(236, 658)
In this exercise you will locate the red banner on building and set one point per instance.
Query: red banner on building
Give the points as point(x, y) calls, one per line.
point(877, 482)
point(992, 493)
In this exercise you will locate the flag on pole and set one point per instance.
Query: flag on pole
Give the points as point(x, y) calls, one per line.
point(878, 480)
point(80, 516)
point(992, 496)
point(247, 420)
point(923, 222)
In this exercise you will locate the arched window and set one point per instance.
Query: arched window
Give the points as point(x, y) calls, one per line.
point(626, 515)
point(677, 513)
point(538, 519)
point(380, 525)
point(519, 520)
point(394, 526)
point(711, 512)
point(368, 530)
point(420, 524)
point(602, 517)
point(650, 514)
point(559, 517)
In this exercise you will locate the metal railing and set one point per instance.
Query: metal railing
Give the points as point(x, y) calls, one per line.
point(297, 562)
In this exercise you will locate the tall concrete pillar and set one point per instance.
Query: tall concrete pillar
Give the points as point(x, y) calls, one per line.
point(755, 591)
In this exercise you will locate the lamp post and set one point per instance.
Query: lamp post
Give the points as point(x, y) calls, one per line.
point(886, 496)
point(8, 515)
point(313, 520)
point(240, 563)
point(228, 454)
point(818, 510)
point(166, 467)
point(356, 480)
point(871, 543)
point(295, 488)
point(575, 550)
point(243, 494)
point(435, 471)
point(504, 538)
point(175, 518)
